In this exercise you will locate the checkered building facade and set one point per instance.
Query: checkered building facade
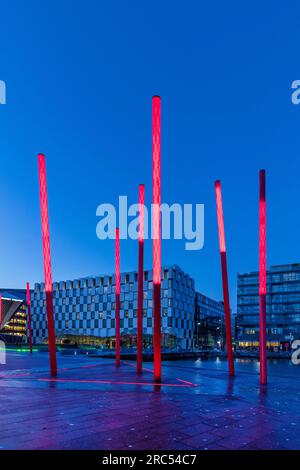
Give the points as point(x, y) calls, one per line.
point(86, 307)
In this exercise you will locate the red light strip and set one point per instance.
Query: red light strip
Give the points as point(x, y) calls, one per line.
point(221, 230)
point(141, 212)
point(156, 221)
point(118, 288)
point(111, 382)
point(0, 310)
point(29, 316)
point(47, 262)
point(186, 382)
point(139, 353)
point(145, 369)
point(262, 278)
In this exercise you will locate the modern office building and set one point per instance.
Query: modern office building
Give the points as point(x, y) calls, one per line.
point(84, 310)
point(13, 324)
point(283, 308)
point(209, 331)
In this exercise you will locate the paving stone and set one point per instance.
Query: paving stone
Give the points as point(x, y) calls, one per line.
point(101, 407)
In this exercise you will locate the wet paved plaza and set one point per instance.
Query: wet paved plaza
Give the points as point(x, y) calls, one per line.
point(93, 405)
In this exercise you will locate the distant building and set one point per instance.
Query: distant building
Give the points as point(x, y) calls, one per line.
point(84, 311)
point(209, 323)
point(283, 308)
point(234, 326)
point(13, 324)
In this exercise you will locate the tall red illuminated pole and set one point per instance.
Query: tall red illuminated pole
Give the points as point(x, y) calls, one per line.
point(156, 224)
point(47, 262)
point(222, 243)
point(139, 353)
point(118, 285)
point(262, 278)
point(29, 315)
point(0, 309)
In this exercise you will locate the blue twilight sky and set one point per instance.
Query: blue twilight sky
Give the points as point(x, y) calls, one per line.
point(80, 76)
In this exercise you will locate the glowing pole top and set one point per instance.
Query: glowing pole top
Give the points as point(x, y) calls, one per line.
point(156, 234)
point(45, 222)
point(156, 198)
point(262, 233)
point(141, 212)
point(117, 253)
point(28, 294)
point(220, 216)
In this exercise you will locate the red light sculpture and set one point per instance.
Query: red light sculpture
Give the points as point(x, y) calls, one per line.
point(139, 354)
point(29, 315)
point(222, 244)
point(262, 278)
point(0, 310)
point(118, 285)
point(47, 262)
point(156, 233)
